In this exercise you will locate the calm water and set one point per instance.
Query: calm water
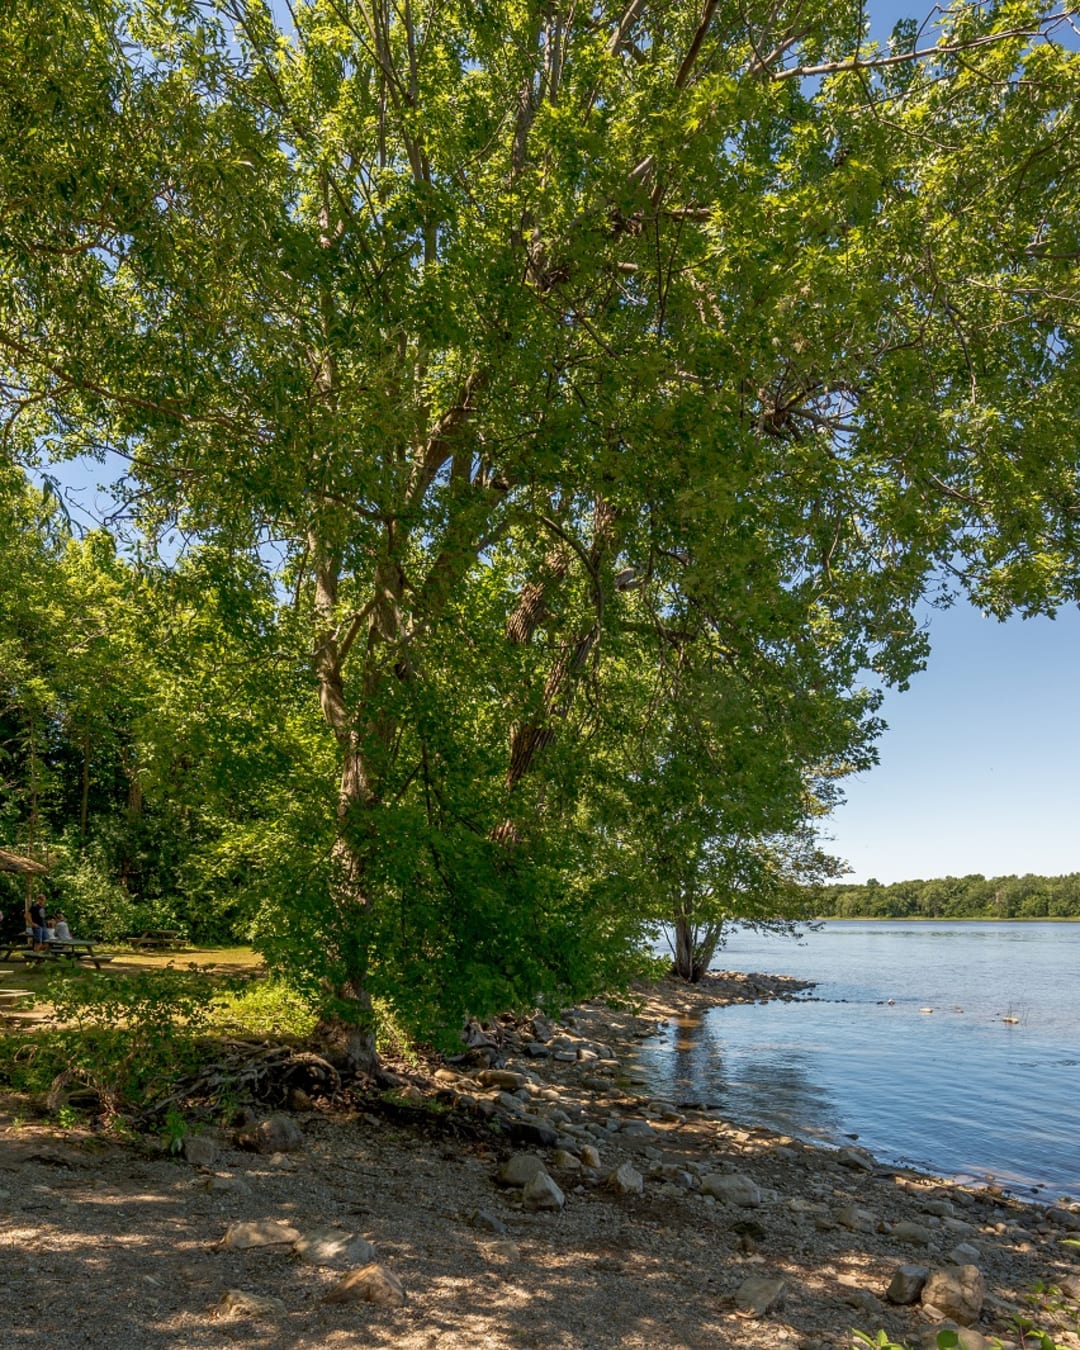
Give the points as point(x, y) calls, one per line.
point(957, 1092)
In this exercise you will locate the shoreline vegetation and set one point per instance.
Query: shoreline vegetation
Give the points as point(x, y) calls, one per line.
point(940, 918)
point(974, 896)
point(526, 1193)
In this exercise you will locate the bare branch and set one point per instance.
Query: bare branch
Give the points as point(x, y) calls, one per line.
point(626, 23)
point(905, 58)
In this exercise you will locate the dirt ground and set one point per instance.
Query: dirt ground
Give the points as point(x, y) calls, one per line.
point(118, 1246)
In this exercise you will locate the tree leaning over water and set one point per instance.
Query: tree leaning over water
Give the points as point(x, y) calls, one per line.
point(558, 350)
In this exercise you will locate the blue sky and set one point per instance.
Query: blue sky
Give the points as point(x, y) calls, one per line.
point(980, 768)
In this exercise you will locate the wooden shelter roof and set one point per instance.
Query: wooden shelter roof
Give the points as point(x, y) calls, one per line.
point(14, 862)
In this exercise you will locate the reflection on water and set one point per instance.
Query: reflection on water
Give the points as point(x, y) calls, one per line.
point(980, 1085)
point(761, 1084)
point(696, 1055)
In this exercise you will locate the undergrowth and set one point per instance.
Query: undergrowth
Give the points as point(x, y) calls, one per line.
point(264, 1008)
point(127, 1037)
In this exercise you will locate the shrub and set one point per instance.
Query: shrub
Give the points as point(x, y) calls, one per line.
point(130, 1036)
point(265, 1008)
point(96, 905)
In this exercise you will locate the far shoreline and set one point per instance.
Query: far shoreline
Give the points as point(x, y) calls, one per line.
point(940, 918)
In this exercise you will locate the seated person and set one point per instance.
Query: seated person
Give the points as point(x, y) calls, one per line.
point(61, 930)
point(50, 928)
point(37, 922)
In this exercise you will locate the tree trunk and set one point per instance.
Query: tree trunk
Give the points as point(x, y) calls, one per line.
point(33, 823)
point(683, 965)
point(354, 1033)
point(695, 947)
point(349, 899)
point(84, 804)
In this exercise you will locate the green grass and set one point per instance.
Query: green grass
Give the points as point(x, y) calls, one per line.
point(264, 1008)
point(139, 1022)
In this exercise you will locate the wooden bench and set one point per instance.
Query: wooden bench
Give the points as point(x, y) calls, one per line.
point(158, 939)
point(20, 944)
point(75, 953)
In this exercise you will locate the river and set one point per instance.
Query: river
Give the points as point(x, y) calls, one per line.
point(987, 1084)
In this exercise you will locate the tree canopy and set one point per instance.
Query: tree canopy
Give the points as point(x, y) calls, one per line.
point(569, 365)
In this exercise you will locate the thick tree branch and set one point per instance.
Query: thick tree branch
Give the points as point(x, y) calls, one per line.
point(690, 59)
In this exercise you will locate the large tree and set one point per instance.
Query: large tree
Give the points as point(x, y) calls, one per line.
point(545, 342)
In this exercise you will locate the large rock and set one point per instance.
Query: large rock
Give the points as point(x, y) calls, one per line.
point(914, 1234)
point(335, 1248)
point(856, 1158)
point(732, 1189)
point(626, 1180)
point(941, 1207)
point(957, 1292)
point(1070, 1287)
point(856, 1220)
point(241, 1303)
point(759, 1295)
point(966, 1338)
point(200, 1150)
point(542, 1029)
point(370, 1284)
point(224, 1184)
point(241, 1237)
point(276, 1134)
point(531, 1130)
point(675, 1175)
point(520, 1169)
point(500, 1078)
point(543, 1193)
point(637, 1134)
point(907, 1284)
point(590, 1156)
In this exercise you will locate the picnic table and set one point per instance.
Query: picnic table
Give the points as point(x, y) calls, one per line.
point(158, 939)
point(77, 951)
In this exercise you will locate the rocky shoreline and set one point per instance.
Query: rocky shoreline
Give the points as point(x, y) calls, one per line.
point(528, 1194)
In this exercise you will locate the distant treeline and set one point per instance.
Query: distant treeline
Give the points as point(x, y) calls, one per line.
point(970, 897)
